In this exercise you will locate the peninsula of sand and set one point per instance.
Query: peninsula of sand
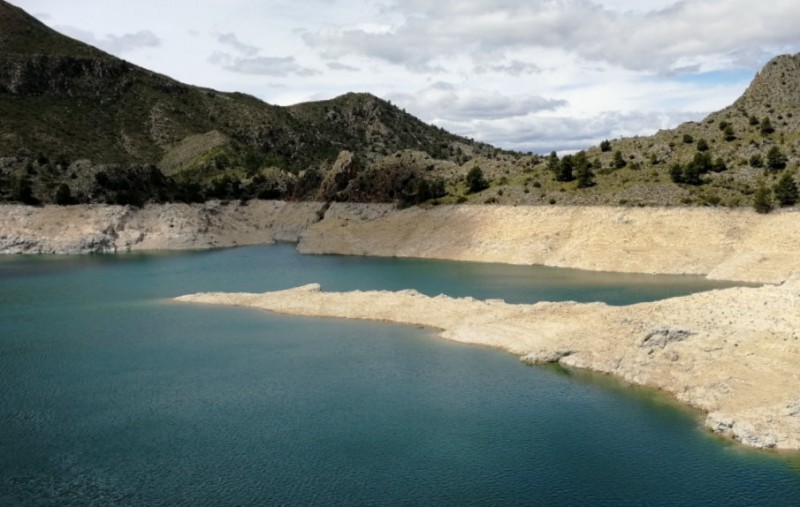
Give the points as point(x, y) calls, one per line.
point(733, 353)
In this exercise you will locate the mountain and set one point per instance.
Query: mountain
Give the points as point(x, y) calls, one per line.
point(66, 104)
point(79, 125)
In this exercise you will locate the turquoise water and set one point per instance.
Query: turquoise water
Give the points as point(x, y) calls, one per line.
point(111, 394)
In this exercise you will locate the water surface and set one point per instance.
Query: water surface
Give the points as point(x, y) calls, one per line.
point(111, 394)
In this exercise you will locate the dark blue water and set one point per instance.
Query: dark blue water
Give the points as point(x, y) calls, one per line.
point(111, 394)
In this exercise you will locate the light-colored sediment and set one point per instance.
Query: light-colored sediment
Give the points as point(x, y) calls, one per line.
point(721, 243)
point(733, 353)
point(105, 229)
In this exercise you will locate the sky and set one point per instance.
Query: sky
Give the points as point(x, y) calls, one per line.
point(528, 75)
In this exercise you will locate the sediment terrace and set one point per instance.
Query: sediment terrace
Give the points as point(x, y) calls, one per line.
point(720, 243)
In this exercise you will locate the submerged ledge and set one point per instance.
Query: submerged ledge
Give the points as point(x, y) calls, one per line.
point(733, 353)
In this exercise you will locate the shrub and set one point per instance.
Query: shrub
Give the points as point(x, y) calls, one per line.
point(676, 173)
point(766, 127)
point(702, 145)
point(688, 139)
point(730, 135)
point(619, 160)
point(63, 195)
point(605, 146)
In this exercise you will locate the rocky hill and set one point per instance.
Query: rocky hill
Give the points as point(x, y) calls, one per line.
point(749, 148)
point(79, 125)
point(71, 111)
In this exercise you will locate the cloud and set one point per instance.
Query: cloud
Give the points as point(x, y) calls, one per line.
point(114, 44)
point(260, 65)
point(443, 101)
point(230, 39)
point(710, 33)
point(544, 134)
point(342, 66)
point(514, 68)
point(248, 61)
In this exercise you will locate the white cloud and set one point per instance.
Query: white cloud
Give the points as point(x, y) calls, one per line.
point(444, 101)
point(114, 44)
point(708, 33)
point(544, 134)
point(230, 40)
point(260, 65)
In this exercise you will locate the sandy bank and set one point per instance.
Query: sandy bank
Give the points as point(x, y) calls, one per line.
point(733, 353)
point(720, 243)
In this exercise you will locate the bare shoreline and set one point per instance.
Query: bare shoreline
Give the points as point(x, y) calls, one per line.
point(723, 244)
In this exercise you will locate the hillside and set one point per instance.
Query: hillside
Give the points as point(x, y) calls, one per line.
point(80, 125)
point(719, 161)
point(70, 109)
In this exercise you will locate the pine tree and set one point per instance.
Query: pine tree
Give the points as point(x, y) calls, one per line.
point(619, 161)
point(762, 200)
point(565, 169)
point(476, 181)
point(775, 159)
point(583, 171)
point(786, 190)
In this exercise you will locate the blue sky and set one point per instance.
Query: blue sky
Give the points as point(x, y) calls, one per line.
point(531, 75)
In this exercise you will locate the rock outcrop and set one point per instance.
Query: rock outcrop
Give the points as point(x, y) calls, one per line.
point(108, 229)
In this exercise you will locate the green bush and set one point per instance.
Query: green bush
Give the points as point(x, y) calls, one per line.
point(476, 181)
point(786, 190)
point(63, 195)
point(762, 200)
point(776, 160)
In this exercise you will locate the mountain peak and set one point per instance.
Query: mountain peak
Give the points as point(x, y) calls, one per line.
point(776, 86)
point(23, 34)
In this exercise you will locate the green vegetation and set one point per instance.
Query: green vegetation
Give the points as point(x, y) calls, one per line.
point(476, 181)
point(762, 200)
point(141, 137)
point(776, 160)
point(786, 190)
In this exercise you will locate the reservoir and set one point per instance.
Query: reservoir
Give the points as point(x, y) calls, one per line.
point(111, 394)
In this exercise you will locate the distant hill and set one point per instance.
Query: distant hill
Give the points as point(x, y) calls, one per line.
point(79, 125)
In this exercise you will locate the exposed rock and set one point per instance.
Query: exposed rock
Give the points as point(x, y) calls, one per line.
point(664, 336)
point(545, 356)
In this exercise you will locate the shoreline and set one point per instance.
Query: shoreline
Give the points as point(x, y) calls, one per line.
point(720, 244)
point(733, 354)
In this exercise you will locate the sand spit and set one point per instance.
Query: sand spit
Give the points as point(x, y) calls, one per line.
point(733, 353)
point(721, 243)
point(106, 229)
